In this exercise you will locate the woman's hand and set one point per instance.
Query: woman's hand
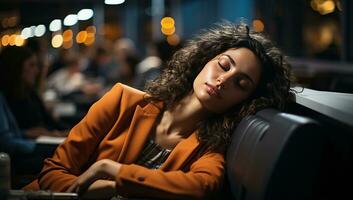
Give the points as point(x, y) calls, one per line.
point(100, 189)
point(103, 169)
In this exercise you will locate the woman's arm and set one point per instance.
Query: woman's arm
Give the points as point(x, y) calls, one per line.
point(71, 158)
point(200, 182)
point(15, 145)
point(102, 169)
point(100, 189)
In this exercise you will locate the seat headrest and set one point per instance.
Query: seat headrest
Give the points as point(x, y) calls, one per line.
point(274, 155)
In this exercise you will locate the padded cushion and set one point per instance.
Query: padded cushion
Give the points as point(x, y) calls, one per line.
point(274, 155)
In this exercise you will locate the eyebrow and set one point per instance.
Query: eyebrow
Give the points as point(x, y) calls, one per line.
point(241, 73)
point(231, 59)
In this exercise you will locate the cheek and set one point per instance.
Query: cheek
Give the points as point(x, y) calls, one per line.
point(207, 74)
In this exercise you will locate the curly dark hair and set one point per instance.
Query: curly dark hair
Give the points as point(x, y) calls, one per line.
point(176, 81)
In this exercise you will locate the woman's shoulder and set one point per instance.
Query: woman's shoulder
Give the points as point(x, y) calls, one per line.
point(129, 95)
point(128, 91)
point(127, 98)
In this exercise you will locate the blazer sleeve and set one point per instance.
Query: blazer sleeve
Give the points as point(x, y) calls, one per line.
point(202, 181)
point(72, 157)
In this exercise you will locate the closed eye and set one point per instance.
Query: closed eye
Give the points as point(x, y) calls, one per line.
point(224, 62)
point(223, 67)
point(242, 82)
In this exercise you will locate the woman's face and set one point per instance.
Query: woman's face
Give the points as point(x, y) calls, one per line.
point(227, 80)
point(30, 70)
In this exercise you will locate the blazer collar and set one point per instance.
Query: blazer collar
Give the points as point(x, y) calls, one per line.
point(182, 153)
point(141, 126)
point(152, 108)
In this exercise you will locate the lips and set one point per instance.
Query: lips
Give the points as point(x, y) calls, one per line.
point(212, 90)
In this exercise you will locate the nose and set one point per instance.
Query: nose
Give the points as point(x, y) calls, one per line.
point(223, 79)
point(220, 82)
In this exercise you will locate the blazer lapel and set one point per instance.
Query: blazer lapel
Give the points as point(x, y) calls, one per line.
point(182, 153)
point(140, 128)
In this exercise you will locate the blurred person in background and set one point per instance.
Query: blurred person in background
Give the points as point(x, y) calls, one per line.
point(59, 60)
point(97, 68)
point(122, 49)
point(39, 47)
point(19, 72)
point(86, 54)
point(12, 140)
point(95, 72)
point(158, 54)
point(127, 70)
point(26, 155)
point(149, 68)
point(69, 87)
point(69, 78)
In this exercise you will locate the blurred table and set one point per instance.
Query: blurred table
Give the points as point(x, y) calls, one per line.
point(31, 195)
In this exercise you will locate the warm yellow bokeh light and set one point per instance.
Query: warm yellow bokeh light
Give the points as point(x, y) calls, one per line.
point(167, 22)
point(57, 41)
point(173, 39)
point(316, 3)
point(91, 29)
point(325, 36)
point(5, 40)
point(258, 25)
point(323, 6)
point(19, 41)
point(81, 37)
point(67, 35)
point(68, 44)
point(327, 7)
point(90, 35)
point(168, 31)
point(89, 40)
point(313, 5)
point(12, 40)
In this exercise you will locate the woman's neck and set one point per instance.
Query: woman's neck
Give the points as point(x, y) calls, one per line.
point(183, 118)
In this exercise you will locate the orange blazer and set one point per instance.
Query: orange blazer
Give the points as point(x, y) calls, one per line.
point(116, 127)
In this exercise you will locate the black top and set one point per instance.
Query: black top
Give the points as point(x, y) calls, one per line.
point(153, 155)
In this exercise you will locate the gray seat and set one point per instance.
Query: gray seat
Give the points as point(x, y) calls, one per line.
point(274, 155)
